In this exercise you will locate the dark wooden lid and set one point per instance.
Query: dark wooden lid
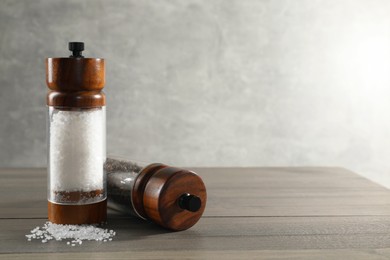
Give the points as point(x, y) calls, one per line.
point(75, 74)
point(162, 196)
point(75, 82)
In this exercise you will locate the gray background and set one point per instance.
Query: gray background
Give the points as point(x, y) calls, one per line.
point(211, 83)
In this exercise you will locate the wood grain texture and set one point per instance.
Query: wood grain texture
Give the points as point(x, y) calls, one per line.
point(323, 254)
point(94, 213)
point(307, 191)
point(75, 74)
point(236, 234)
point(75, 82)
point(252, 213)
point(81, 99)
point(161, 195)
point(139, 187)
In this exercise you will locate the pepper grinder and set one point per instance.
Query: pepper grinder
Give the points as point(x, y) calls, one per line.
point(174, 198)
point(76, 135)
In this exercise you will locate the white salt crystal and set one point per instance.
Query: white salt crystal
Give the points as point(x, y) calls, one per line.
point(77, 233)
point(77, 151)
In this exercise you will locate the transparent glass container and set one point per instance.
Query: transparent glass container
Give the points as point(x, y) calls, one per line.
point(76, 157)
point(121, 175)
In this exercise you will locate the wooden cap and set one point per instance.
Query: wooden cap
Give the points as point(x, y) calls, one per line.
point(75, 82)
point(171, 197)
point(75, 74)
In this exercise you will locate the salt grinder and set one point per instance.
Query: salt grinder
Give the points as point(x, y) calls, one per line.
point(172, 197)
point(76, 137)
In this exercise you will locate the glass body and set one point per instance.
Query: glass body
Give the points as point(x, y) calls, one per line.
point(76, 155)
point(121, 176)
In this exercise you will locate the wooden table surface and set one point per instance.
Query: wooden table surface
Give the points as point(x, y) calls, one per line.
point(252, 213)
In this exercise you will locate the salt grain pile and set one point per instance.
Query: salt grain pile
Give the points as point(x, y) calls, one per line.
point(76, 233)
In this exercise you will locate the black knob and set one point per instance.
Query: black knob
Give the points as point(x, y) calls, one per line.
point(190, 202)
point(76, 48)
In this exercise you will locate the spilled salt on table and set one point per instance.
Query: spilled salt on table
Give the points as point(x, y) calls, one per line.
point(77, 233)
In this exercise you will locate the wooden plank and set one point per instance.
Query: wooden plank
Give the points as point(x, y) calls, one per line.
point(216, 234)
point(272, 191)
point(332, 213)
point(23, 193)
point(292, 191)
point(322, 254)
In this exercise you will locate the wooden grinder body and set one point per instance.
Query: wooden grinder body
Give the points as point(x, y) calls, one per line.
point(76, 84)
